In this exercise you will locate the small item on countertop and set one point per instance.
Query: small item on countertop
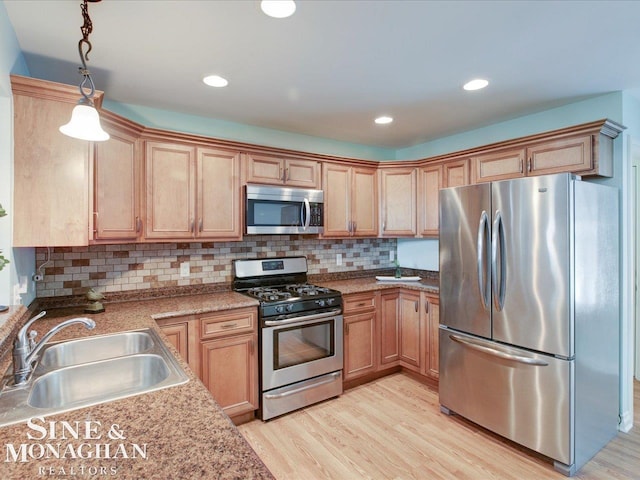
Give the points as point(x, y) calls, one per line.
point(396, 279)
point(94, 305)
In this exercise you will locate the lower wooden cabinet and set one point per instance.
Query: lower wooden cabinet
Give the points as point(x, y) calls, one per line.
point(230, 372)
point(360, 334)
point(222, 350)
point(432, 357)
point(389, 328)
point(410, 330)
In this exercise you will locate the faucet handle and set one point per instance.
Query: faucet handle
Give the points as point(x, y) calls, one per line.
point(32, 339)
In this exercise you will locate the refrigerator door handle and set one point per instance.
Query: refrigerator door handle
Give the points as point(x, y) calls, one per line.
point(498, 282)
point(475, 345)
point(484, 235)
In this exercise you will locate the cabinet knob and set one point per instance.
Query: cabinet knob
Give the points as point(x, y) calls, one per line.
point(138, 225)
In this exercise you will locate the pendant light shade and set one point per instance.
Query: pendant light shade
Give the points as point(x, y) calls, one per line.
point(85, 121)
point(85, 124)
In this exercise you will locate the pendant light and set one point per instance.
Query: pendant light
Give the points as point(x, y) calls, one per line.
point(85, 121)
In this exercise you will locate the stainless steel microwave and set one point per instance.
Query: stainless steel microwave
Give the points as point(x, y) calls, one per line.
point(283, 210)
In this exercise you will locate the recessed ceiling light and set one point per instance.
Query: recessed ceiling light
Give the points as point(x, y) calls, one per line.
point(383, 120)
point(476, 84)
point(278, 8)
point(215, 81)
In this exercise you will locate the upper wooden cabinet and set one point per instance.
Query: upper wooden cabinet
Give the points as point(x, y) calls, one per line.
point(350, 201)
point(116, 184)
point(192, 192)
point(456, 173)
point(573, 154)
point(50, 170)
point(498, 165)
point(276, 170)
point(398, 194)
point(430, 183)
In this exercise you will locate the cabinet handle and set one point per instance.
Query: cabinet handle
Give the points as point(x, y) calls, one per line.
point(529, 164)
point(192, 225)
point(138, 224)
point(200, 225)
point(384, 225)
point(286, 174)
point(361, 304)
point(251, 347)
point(229, 325)
point(521, 163)
point(346, 327)
point(416, 306)
point(426, 307)
point(355, 227)
point(95, 222)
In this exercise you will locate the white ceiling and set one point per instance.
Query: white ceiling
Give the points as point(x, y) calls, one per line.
point(335, 65)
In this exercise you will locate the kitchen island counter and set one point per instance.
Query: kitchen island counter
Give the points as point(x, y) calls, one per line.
point(181, 430)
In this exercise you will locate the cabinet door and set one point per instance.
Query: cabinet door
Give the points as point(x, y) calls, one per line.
point(219, 199)
point(170, 191)
point(410, 344)
point(456, 173)
point(265, 169)
point(337, 200)
point(433, 357)
point(230, 372)
point(565, 155)
point(429, 194)
point(50, 170)
point(302, 173)
point(398, 202)
point(389, 329)
point(359, 345)
point(178, 337)
point(364, 204)
point(498, 165)
point(116, 187)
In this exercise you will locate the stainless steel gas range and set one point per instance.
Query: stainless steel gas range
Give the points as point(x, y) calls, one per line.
point(300, 333)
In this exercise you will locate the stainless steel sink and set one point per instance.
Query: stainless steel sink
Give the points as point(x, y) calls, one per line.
point(99, 381)
point(93, 349)
point(90, 371)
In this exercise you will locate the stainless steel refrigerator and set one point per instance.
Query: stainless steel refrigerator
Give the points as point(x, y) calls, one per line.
point(529, 312)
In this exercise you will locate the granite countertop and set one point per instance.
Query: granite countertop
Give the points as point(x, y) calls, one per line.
point(367, 284)
point(187, 435)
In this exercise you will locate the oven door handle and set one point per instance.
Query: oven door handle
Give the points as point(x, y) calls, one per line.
point(332, 378)
point(315, 316)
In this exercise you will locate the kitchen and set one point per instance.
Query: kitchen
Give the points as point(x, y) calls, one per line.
point(216, 257)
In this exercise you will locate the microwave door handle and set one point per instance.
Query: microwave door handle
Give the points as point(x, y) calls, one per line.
point(305, 213)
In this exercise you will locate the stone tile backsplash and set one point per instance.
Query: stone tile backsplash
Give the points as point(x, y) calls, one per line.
point(141, 266)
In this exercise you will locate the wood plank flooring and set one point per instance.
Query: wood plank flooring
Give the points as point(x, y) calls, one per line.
point(392, 429)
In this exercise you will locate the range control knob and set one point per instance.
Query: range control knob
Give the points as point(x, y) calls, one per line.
point(320, 303)
point(279, 308)
point(330, 301)
point(289, 307)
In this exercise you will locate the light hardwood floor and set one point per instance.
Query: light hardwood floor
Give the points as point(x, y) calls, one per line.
point(392, 429)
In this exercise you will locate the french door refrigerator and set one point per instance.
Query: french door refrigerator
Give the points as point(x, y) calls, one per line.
point(529, 308)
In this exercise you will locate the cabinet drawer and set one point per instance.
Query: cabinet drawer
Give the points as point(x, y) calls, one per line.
point(228, 323)
point(359, 302)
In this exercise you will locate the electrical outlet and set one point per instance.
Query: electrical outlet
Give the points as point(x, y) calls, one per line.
point(185, 270)
point(392, 255)
point(338, 259)
point(37, 277)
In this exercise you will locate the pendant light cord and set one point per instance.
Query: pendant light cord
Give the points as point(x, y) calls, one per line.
point(86, 30)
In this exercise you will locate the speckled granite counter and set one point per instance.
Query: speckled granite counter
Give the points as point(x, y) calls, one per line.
point(186, 433)
point(368, 284)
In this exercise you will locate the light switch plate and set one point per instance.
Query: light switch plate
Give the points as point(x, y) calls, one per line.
point(185, 271)
point(338, 259)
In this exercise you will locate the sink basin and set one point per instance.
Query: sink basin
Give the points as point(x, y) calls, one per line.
point(93, 349)
point(98, 381)
point(89, 371)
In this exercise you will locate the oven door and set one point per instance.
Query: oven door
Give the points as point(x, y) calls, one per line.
point(300, 348)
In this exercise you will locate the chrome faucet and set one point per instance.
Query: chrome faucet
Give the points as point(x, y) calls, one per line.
point(25, 348)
